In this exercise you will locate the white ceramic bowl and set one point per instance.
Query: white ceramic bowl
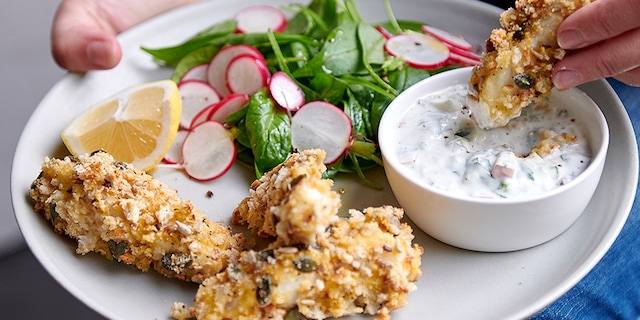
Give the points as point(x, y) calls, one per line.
point(492, 225)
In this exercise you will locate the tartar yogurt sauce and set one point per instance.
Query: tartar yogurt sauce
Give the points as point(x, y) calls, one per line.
point(542, 149)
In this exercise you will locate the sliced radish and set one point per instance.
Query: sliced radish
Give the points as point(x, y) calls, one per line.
point(261, 18)
point(447, 37)
point(208, 151)
point(417, 50)
point(228, 106)
point(198, 72)
point(461, 60)
point(217, 70)
point(384, 32)
point(196, 95)
point(246, 74)
point(203, 115)
point(466, 53)
point(286, 92)
point(321, 125)
point(174, 154)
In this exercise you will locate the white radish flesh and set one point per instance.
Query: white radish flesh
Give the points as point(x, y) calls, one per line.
point(461, 60)
point(466, 53)
point(261, 18)
point(246, 74)
point(217, 70)
point(208, 151)
point(321, 125)
point(286, 92)
point(417, 50)
point(203, 115)
point(196, 95)
point(198, 72)
point(447, 37)
point(228, 106)
point(174, 154)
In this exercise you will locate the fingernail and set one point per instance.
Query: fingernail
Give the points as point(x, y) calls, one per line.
point(567, 79)
point(99, 54)
point(570, 39)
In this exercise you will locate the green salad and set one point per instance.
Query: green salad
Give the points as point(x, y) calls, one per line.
point(334, 56)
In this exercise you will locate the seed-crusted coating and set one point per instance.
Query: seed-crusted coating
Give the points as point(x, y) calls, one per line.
point(292, 201)
point(128, 216)
point(516, 67)
point(364, 264)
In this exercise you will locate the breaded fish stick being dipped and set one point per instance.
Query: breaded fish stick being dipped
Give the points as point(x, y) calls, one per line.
point(363, 264)
point(516, 67)
point(128, 216)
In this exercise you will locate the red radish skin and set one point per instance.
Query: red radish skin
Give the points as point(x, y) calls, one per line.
point(447, 38)
point(384, 32)
point(198, 72)
point(286, 92)
point(261, 18)
point(217, 70)
point(461, 60)
point(418, 50)
point(246, 74)
point(321, 125)
point(466, 53)
point(174, 154)
point(208, 151)
point(196, 95)
point(203, 115)
point(228, 106)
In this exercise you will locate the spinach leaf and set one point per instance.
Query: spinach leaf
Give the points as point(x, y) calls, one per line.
point(340, 54)
point(315, 20)
point(371, 43)
point(358, 113)
point(372, 49)
point(172, 55)
point(330, 88)
point(403, 24)
point(403, 78)
point(269, 132)
point(199, 56)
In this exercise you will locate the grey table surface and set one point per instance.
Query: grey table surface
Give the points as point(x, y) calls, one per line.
point(27, 73)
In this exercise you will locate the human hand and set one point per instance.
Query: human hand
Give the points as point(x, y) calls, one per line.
point(603, 40)
point(83, 35)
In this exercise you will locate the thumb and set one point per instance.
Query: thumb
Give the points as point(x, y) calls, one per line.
point(79, 43)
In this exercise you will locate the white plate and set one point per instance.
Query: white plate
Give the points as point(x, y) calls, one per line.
point(456, 284)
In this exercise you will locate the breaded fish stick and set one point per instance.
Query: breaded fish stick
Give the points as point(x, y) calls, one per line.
point(291, 202)
point(516, 67)
point(363, 264)
point(128, 216)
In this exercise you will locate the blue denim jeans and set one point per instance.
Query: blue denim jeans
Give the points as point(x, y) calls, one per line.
point(612, 289)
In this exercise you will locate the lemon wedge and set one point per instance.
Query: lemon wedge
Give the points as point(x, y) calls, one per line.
point(136, 125)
